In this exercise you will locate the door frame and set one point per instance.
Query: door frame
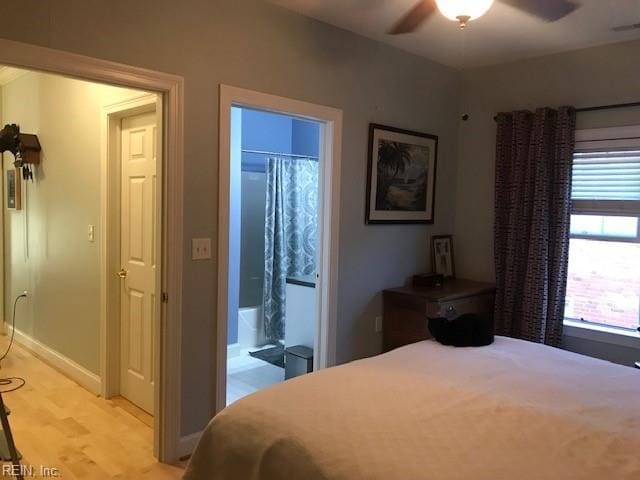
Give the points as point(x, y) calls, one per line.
point(330, 120)
point(110, 239)
point(171, 89)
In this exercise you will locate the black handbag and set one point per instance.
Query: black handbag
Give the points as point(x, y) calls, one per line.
point(468, 330)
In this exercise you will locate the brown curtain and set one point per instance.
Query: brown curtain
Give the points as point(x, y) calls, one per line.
point(532, 211)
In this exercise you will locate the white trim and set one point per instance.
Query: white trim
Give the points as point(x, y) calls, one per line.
point(169, 335)
point(188, 444)
point(328, 224)
point(595, 134)
point(602, 333)
point(604, 145)
point(171, 87)
point(10, 74)
point(606, 138)
point(68, 367)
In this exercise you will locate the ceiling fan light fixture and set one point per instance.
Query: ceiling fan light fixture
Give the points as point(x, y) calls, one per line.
point(463, 11)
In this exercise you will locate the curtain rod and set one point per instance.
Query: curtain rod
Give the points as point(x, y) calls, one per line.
point(602, 107)
point(608, 107)
point(279, 154)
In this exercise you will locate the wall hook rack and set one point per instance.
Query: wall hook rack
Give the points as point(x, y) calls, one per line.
point(25, 148)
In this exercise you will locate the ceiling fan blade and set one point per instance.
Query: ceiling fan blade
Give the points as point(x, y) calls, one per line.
point(412, 20)
point(549, 10)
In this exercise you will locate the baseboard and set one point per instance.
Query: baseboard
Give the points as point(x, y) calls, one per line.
point(187, 444)
point(65, 365)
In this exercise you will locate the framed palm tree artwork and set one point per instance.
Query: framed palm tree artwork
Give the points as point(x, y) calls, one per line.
point(401, 175)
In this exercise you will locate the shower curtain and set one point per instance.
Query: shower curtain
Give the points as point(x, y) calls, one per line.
point(290, 233)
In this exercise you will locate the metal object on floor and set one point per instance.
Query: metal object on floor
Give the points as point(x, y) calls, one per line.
point(8, 451)
point(298, 361)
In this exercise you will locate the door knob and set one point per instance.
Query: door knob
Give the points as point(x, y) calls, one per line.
point(122, 273)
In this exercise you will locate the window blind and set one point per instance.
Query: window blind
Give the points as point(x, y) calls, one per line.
point(613, 175)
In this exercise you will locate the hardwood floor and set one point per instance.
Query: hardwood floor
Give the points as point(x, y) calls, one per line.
point(57, 423)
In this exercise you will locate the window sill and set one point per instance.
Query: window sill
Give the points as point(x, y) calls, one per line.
point(602, 333)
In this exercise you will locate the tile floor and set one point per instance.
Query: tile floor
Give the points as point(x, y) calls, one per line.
point(246, 375)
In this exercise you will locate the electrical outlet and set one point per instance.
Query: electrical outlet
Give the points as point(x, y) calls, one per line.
point(200, 248)
point(378, 326)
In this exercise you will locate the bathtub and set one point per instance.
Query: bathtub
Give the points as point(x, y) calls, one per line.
point(250, 327)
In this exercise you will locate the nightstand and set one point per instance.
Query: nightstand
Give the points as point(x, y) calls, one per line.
point(408, 309)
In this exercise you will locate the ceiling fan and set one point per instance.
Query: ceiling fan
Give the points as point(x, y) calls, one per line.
point(464, 11)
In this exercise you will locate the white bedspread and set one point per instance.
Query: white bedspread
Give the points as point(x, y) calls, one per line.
point(513, 410)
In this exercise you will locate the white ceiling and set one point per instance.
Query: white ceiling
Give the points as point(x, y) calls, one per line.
point(502, 35)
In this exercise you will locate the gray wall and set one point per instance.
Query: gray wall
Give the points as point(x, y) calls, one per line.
point(596, 76)
point(255, 45)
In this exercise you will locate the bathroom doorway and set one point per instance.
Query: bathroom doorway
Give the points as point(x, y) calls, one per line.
point(276, 157)
point(278, 258)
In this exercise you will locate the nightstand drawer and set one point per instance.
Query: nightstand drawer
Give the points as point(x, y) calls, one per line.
point(454, 308)
point(404, 321)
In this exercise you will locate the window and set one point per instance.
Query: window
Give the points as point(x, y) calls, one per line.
point(603, 285)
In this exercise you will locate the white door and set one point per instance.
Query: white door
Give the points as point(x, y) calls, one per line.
point(138, 259)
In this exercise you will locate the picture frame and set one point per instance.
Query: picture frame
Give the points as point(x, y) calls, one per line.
point(442, 259)
point(401, 176)
point(14, 191)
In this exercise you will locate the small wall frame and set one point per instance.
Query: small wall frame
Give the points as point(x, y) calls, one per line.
point(14, 189)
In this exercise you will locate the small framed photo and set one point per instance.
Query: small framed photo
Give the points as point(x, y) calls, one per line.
point(442, 255)
point(401, 176)
point(14, 196)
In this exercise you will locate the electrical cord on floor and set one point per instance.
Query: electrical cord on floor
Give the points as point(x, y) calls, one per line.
point(10, 381)
point(14, 383)
point(13, 325)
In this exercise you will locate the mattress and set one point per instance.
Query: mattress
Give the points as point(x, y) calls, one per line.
point(511, 410)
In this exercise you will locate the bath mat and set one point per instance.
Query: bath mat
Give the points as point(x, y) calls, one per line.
point(272, 355)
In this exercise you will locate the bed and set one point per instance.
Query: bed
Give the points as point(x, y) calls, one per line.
point(511, 410)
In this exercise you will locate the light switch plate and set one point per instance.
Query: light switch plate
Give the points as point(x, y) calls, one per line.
point(90, 233)
point(200, 248)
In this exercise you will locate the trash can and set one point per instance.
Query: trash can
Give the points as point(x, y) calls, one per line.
point(298, 360)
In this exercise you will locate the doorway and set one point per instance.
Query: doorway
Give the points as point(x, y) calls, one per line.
point(265, 328)
point(272, 319)
point(168, 443)
point(131, 149)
